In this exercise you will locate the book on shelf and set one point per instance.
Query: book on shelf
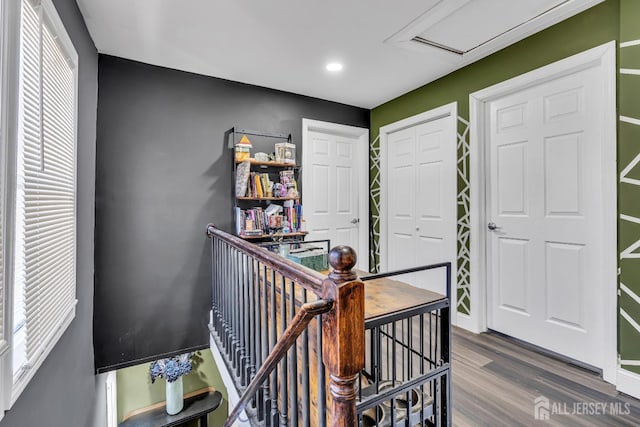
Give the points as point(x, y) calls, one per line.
point(275, 219)
point(258, 181)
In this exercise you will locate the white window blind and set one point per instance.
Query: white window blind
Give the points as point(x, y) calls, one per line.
point(45, 245)
point(3, 180)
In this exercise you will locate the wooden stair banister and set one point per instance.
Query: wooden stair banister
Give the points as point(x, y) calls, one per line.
point(341, 332)
point(300, 322)
point(343, 335)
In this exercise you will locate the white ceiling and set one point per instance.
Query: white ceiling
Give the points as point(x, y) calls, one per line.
point(285, 44)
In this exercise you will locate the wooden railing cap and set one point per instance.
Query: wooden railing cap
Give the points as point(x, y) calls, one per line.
point(342, 259)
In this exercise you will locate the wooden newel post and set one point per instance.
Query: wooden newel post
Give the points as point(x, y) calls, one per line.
point(343, 335)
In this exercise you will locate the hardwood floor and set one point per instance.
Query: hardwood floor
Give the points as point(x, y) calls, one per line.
point(496, 380)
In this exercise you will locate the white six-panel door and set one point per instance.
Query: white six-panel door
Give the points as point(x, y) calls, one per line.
point(331, 207)
point(421, 200)
point(544, 210)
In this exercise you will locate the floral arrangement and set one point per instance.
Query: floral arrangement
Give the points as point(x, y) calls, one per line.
point(171, 368)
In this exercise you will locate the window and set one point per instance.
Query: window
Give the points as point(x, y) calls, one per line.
point(39, 157)
point(4, 346)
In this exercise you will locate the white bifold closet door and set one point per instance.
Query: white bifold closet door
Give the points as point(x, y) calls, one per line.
point(421, 200)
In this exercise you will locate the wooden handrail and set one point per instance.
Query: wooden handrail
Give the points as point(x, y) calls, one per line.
point(294, 330)
point(309, 279)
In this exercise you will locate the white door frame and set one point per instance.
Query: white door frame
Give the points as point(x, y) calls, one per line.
point(427, 116)
point(604, 58)
point(362, 153)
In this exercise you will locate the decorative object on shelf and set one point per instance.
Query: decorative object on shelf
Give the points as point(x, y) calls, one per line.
point(172, 369)
point(242, 178)
point(261, 157)
point(278, 190)
point(243, 149)
point(286, 153)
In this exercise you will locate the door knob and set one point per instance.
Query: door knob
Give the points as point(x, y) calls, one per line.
point(492, 226)
point(355, 220)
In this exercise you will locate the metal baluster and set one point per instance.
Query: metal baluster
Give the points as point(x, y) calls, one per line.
point(410, 376)
point(245, 319)
point(422, 362)
point(223, 335)
point(239, 295)
point(266, 403)
point(389, 349)
point(437, 358)
point(432, 384)
point(410, 347)
point(250, 322)
point(234, 291)
point(372, 353)
point(284, 419)
point(227, 288)
point(402, 350)
point(306, 407)
point(322, 398)
point(218, 261)
point(393, 369)
point(377, 358)
point(235, 281)
point(228, 285)
point(436, 402)
point(293, 362)
point(272, 342)
point(214, 283)
point(361, 375)
point(258, 336)
point(446, 352)
point(436, 396)
point(431, 355)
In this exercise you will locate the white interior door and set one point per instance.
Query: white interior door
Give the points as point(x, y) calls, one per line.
point(334, 173)
point(544, 208)
point(421, 200)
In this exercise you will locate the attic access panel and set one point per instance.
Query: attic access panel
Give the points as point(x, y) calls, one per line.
point(478, 22)
point(472, 29)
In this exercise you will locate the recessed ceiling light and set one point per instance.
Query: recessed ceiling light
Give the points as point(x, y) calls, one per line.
point(334, 66)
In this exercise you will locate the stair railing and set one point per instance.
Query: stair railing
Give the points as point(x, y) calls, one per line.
point(257, 294)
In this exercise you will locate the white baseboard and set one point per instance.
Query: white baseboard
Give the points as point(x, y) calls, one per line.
point(628, 383)
point(466, 322)
point(232, 394)
point(112, 399)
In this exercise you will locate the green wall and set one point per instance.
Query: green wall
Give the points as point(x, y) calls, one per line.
point(591, 28)
point(610, 20)
point(135, 390)
point(629, 188)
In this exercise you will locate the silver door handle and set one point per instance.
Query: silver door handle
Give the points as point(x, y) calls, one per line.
point(492, 226)
point(355, 220)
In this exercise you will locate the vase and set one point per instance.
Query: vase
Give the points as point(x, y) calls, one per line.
point(175, 399)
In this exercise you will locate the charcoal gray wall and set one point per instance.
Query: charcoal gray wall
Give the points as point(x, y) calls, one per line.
point(163, 173)
point(61, 393)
